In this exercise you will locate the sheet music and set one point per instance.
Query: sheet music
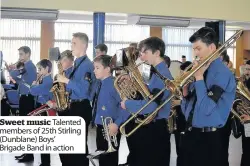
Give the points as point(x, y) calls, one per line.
point(247, 129)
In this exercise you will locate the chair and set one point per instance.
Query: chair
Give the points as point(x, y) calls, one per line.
point(13, 99)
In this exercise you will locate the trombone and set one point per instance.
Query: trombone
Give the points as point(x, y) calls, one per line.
point(174, 86)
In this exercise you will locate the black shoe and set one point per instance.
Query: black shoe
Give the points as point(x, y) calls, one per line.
point(26, 158)
point(126, 164)
point(19, 157)
point(44, 165)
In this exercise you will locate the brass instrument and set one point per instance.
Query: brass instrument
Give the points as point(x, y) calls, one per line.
point(129, 83)
point(172, 124)
point(59, 91)
point(110, 139)
point(174, 86)
point(241, 106)
point(43, 109)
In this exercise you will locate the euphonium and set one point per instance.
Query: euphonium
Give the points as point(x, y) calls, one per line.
point(174, 86)
point(59, 92)
point(241, 105)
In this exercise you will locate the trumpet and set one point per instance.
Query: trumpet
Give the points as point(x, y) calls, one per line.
point(174, 86)
point(110, 139)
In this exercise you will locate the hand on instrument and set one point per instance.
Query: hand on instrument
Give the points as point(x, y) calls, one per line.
point(113, 129)
point(245, 118)
point(199, 74)
point(12, 80)
point(176, 102)
point(185, 90)
point(61, 78)
point(52, 104)
point(34, 83)
point(123, 104)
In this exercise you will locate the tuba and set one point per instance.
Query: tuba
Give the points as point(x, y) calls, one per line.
point(241, 104)
point(174, 86)
point(59, 92)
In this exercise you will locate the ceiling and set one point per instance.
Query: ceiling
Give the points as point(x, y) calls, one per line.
point(117, 18)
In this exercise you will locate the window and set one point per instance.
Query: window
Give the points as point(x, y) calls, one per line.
point(16, 33)
point(120, 36)
point(64, 32)
point(177, 42)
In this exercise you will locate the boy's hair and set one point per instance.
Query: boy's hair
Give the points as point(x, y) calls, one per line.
point(183, 56)
point(226, 58)
point(102, 47)
point(206, 35)
point(67, 54)
point(153, 44)
point(25, 49)
point(167, 60)
point(248, 62)
point(105, 60)
point(19, 65)
point(45, 63)
point(82, 36)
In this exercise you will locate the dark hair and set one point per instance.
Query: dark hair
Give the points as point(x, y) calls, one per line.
point(82, 36)
point(183, 56)
point(153, 44)
point(25, 49)
point(45, 63)
point(102, 47)
point(133, 45)
point(167, 60)
point(185, 65)
point(206, 35)
point(225, 58)
point(105, 60)
point(67, 54)
point(19, 65)
point(248, 62)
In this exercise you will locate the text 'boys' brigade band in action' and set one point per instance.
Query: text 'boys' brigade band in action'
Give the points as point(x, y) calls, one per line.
point(128, 104)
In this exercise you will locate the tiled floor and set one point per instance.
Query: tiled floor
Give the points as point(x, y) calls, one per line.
point(234, 152)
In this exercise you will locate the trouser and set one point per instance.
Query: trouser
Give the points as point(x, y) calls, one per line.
point(26, 104)
point(84, 110)
point(201, 148)
point(245, 157)
point(5, 108)
point(110, 159)
point(225, 137)
point(149, 145)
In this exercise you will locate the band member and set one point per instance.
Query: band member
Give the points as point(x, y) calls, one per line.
point(245, 160)
point(26, 100)
point(183, 59)
point(79, 85)
point(66, 60)
point(206, 104)
point(107, 104)
point(101, 49)
point(150, 144)
point(41, 90)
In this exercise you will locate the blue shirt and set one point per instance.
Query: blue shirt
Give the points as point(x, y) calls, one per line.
point(42, 91)
point(208, 113)
point(79, 87)
point(108, 103)
point(68, 71)
point(154, 83)
point(28, 77)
